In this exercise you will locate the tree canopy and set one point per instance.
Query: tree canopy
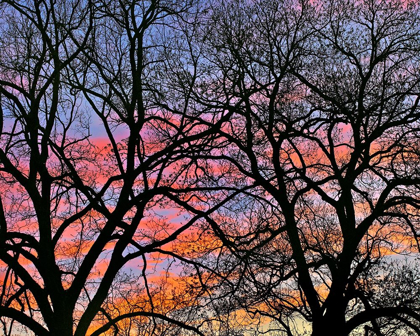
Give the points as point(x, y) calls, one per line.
point(224, 167)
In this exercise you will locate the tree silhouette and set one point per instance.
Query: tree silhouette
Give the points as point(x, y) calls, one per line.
point(76, 209)
point(284, 134)
point(325, 129)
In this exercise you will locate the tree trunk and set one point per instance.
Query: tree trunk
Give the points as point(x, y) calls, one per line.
point(63, 325)
point(333, 322)
point(329, 327)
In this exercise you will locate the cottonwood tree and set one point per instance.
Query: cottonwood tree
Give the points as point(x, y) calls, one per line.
point(325, 127)
point(83, 203)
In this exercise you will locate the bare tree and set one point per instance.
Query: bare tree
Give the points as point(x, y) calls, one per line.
point(75, 213)
point(285, 132)
point(325, 129)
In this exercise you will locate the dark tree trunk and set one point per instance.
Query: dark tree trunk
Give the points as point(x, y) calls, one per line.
point(329, 326)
